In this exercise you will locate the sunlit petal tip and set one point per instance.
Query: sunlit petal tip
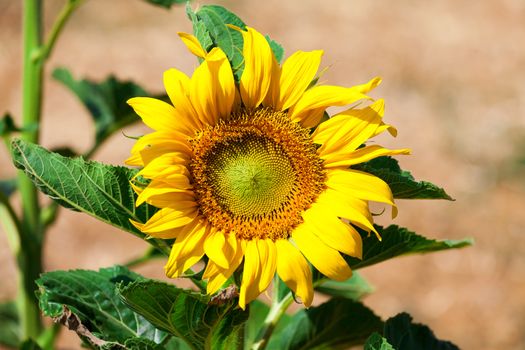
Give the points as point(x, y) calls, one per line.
point(134, 160)
point(392, 130)
point(133, 101)
point(193, 44)
point(137, 189)
point(372, 84)
point(139, 226)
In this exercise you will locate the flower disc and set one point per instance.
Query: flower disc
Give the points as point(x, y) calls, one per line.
point(255, 173)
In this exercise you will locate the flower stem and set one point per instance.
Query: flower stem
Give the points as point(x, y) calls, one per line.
point(31, 232)
point(30, 250)
point(45, 51)
point(277, 311)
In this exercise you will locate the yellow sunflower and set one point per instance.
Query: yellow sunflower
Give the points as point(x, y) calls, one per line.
point(240, 177)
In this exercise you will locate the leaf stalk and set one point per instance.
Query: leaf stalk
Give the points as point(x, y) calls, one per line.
point(277, 310)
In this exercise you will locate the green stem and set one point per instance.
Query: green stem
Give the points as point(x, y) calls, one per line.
point(45, 51)
point(277, 310)
point(29, 255)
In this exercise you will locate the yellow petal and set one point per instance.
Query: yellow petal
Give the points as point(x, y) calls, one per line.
point(173, 200)
point(268, 255)
point(361, 185)
point(167, 219)
point(216, 275)
point(298, 71)
point(193, 44)
point(178, 87)
point(325, 259)
point(294, 270)
point(187, 250)
point(353, 209)
point(332, 231)
point(325, 96)
point(344, 159)
point(163, 166)
point(348, 130)
point(215, 248)
point(251, 275)
point(258, 67)
point(156, 188)
point(212, 88)
point(312, 117)
point(156, 143)
point(159, 115)
point(366, 87)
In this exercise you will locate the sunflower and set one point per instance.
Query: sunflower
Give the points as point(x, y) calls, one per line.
point(251, 175)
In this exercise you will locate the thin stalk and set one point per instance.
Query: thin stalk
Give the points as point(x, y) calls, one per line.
point(277, 310)
point(29, 255)
point(45, 51)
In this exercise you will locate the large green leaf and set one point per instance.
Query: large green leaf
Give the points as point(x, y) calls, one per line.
point(102, 191)
point(354, 288)
point(377, 342)
point(401, 182)
point(338, 323)
point(210, 27)
point(105, 101)
point(166, 3)
point(91, 298)
point(405, 335)
point(187, 315)
point(398, 241)
point(9, 328)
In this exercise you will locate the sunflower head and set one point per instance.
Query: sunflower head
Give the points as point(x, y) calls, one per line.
point(248, 174)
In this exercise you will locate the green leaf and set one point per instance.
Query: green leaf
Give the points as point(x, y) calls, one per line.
point(9, 329)
point(277, 49)
point(91, 297)
point(8, 186)
point(338, 323)
point(187, 315)
point(401, 182)
point(405, 335)
point(210, 28)
point(105, 101)
point(166, 3)
point(398, 241)
point(377, 342)
point(353, 288)
point(102, 191)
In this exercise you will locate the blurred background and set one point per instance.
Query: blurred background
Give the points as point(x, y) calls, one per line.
point(454, 84)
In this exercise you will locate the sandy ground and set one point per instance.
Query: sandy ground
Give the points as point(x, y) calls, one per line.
point(454, 82)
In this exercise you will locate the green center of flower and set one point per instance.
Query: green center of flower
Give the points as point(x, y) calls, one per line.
point(255, 173)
